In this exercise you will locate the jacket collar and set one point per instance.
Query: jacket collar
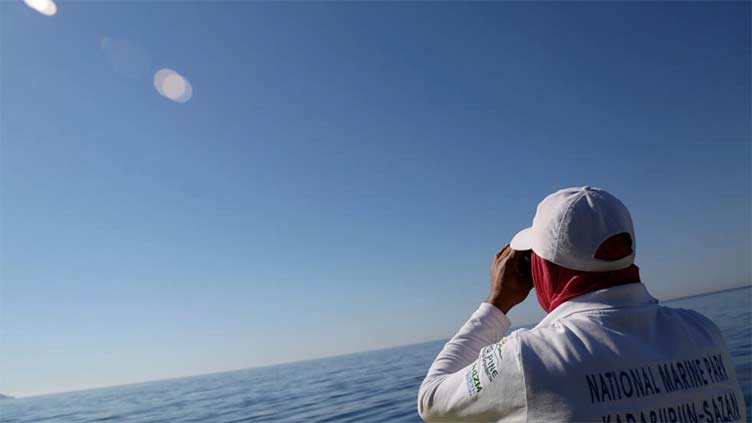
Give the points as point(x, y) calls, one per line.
point(629, 295)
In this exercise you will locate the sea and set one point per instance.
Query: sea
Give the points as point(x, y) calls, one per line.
point(376, 386)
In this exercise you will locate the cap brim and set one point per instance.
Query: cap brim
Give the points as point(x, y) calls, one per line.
point(523, 240)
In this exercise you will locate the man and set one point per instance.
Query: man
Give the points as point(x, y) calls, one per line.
point(606, 351)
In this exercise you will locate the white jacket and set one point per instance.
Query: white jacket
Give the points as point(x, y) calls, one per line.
point(612, 355)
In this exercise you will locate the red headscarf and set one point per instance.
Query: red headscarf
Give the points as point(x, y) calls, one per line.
point(555, 284)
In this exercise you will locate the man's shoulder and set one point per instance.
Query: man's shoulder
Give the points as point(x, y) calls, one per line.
point(576, 326)
point(692, 319)
point(538, 337)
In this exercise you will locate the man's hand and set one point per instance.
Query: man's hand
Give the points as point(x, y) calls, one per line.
point(508, 286)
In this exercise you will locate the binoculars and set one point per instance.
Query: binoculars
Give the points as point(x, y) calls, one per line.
point(525, 264)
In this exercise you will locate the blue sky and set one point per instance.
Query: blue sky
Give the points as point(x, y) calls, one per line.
point(343, 173)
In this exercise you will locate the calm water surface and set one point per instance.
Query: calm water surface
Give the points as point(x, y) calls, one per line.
point(379, 386)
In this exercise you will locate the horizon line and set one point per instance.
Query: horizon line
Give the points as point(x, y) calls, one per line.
point(282, 363)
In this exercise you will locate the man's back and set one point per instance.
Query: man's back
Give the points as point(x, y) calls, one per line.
point(616, 355)
point(612, 355)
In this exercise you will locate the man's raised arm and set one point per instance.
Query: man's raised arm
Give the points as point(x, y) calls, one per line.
point(461, 381)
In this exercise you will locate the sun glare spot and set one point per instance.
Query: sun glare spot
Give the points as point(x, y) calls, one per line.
point(45, 7)
point(172, 85)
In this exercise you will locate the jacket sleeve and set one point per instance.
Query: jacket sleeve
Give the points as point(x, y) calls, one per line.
point(477, 376)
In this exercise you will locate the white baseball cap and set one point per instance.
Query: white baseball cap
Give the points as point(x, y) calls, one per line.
point(569, 226)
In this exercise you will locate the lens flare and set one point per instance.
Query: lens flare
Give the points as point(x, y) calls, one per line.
point(45, 7)
point(172, 85)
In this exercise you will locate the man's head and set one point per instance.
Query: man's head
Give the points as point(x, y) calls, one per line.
point(582, 240)
point(585, 229)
